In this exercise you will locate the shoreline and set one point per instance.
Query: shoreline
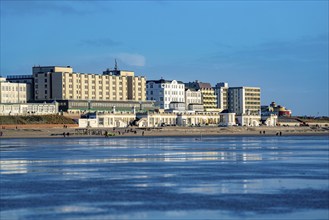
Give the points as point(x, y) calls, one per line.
point(75, 132)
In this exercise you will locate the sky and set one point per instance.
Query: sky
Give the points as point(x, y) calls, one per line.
point(279, 46)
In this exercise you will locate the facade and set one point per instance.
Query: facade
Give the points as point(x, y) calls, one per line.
point(221, 91)
point(28, 80)
point(163, 92)
point(157, 119)
point(61, 83)
point(207, 92)
point(85, 106)
point(179, 106)
point(25, 109)
point(269, 120)
point(113, 120)
point(248, 120)
point(244, 100)
point(196, 107)
point(227, 119)
point(12, 92)
point(192, 96)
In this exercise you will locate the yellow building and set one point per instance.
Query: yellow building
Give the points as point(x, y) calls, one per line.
point(207, 93)
point(61, 83)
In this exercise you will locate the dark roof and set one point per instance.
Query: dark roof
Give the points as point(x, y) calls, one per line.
point(204, 85)
point(198, 85)
point(192, 89)
point(163, 81)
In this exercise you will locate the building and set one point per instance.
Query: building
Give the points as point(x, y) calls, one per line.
point(244, 100)
point(207, 92)
point(61, 83)
point(178, 106)
point(28, 80)
point(12, 92)
point(156, 119)
point(248, 120)
point(85, 106)
point(25, 109)
point(192, 96)
point(226, 119)
point(278, 110)
point(163, 92)
point(269, 120)
point(221, 91)
point(111, 120)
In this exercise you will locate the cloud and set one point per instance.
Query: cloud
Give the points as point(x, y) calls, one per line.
point(131, 59)
point(101, 42)
point(18, 8)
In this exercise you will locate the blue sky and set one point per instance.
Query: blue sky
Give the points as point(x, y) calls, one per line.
point(280, 46)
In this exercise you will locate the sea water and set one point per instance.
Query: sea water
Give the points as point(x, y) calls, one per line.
point(165, 178)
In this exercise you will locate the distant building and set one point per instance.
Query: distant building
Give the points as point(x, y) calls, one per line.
point(278, 110)
point(118, 120)
point(208, 94)
point(12, 92)
point(244, 100)
point(221, 91)
point(61, 83)
point(165, 91)
point(192, 96)
point(179, 106)
point(25, 109)
point(28, 80)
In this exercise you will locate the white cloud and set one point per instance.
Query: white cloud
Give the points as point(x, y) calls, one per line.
point(131, 59)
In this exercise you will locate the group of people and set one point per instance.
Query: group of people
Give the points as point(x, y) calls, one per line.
point(66, 134)
point(277, 133)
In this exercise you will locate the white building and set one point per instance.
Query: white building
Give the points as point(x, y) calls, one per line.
point(111, 120)
point(157, 119)
point(227, 119)
point(248, 120)
point(244, 100)
point(192, 96)
point(12, 92)
point(221, 91)
point(165, 91)
point(270, 119)
point(28, 80)
point(25, 109)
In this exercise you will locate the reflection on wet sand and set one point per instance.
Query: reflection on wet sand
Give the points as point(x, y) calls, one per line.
point(229, 178)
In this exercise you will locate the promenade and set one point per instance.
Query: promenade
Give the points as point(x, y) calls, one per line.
point(50, 131)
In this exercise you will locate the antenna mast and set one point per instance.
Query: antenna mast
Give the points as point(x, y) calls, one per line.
point(115, 65)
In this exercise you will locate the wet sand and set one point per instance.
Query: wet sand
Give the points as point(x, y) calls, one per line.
point(47, 131)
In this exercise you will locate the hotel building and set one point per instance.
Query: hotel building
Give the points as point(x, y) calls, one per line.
point(192, 97)
point(12, 92)
point(244, 100)
point(165, 91)
point(221, 91)
point(61, 83)
point(28, 80)
point(207, 93)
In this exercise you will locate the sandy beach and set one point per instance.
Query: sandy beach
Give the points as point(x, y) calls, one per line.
point(72, 131)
